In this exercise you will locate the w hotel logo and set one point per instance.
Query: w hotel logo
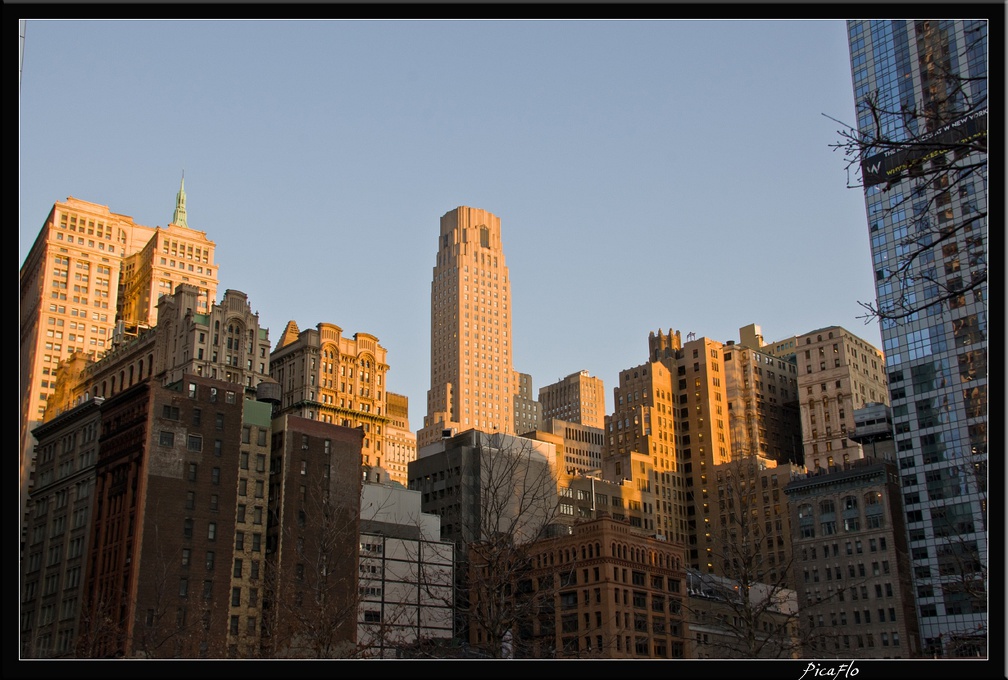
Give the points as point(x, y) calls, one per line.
point(908, 156)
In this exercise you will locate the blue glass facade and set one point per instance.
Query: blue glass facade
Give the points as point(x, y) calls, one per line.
point(936, 356)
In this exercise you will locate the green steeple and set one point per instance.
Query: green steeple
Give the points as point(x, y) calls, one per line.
point(180, 216)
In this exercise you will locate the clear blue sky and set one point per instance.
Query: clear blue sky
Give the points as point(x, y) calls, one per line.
point(648, 174)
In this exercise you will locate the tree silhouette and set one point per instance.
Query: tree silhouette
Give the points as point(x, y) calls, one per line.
point(756, 611)
point(517, 504)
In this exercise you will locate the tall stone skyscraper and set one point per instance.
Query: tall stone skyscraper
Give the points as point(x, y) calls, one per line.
point(473, 382)
point(929, 78)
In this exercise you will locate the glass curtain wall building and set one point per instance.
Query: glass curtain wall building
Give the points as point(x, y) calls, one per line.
point(930, 79)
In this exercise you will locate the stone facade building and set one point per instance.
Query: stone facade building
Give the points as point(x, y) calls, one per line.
point(838, 372)
point(577, 398)
point(326, 376)
point(852, 562)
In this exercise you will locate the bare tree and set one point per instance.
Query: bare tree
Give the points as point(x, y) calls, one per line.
point(940, 144)
point(160, 630)
point(518, 503)
point(756, 611)
point(100, 630)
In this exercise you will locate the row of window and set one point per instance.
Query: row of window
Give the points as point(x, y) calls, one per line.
point(80, 241)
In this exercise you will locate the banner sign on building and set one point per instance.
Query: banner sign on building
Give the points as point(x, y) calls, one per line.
point(890, 165)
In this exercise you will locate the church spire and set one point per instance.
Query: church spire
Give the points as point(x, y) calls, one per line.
point(180, 214)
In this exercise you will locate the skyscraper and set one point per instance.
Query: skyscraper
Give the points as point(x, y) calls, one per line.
point(472, 377)
point(920, 88)
point(174, 254)
point(69, 288)
point(88, 269)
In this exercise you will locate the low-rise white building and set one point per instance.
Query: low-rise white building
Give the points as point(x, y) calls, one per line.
point(406, 579)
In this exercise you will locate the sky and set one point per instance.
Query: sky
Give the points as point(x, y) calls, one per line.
point(648, 174)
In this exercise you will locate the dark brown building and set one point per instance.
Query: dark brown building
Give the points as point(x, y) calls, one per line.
point(312, 539)
point(164, 509)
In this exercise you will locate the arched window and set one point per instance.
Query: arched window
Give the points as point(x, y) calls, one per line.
point(484, 237)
